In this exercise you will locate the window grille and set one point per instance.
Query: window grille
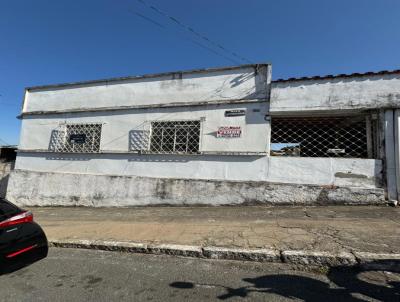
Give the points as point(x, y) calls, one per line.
point(175, 137)
point(76, 138)
point(319, 137)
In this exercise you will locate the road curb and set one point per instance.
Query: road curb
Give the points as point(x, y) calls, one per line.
point(297, 257)
point(378, 260)
point(318, 258)
point(259, 255)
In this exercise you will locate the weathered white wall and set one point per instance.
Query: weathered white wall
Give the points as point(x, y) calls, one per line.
point(118, 125)
point(156, 179)
point(365, 173)
point(375, 91)
point(28, 188)
point(196, 87)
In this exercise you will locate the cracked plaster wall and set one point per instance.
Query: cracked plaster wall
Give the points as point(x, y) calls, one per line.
point(29, 188)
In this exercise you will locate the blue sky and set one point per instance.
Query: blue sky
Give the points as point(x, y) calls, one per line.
point(47, 41)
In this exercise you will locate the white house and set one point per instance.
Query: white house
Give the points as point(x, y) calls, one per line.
point(212, 136)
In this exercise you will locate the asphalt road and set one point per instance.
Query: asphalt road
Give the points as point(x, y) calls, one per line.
point(85, 275)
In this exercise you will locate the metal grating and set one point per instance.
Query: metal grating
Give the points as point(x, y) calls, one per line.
point(319, 137)
point(182, 137)
point(139, 138)
point(76, 138)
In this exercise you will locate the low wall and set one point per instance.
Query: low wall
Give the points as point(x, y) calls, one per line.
point(341, 172)
point(29, 188)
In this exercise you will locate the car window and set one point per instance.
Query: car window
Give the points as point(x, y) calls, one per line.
point(7, 209)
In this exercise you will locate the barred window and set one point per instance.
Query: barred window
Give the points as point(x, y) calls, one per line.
point(175, 137)
point(79, 138)
point(319, 137)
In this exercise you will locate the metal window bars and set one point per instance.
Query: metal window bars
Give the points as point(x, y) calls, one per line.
point(320, 136)
point(178, 137)
point(76, 138)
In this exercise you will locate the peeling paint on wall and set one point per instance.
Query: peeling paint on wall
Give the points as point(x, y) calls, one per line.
point(49, 189)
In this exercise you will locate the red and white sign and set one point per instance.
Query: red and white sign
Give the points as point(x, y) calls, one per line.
point(231, 131)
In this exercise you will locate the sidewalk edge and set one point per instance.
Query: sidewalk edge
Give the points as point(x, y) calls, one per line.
point(298, 257)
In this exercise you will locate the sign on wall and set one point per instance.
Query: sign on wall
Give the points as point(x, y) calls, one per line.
point(236, 112)
point(229, 131)
point(77, 138)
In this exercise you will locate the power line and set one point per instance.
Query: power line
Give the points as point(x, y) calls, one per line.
point(4, 142)
point(192, 31)
point(147, 19)
point(150, 20)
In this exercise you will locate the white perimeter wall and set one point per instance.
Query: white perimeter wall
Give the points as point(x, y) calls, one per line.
point(174, 88)
point(362, 92)
point(295, 97)
point(36, 133)
point(365, 173)
point(117, 125)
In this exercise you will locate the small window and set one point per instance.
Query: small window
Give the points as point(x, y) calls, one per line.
point(319, 136)
point(175, 137)
point(76, 138)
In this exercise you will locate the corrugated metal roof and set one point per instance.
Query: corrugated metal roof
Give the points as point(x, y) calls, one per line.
point(330, 76)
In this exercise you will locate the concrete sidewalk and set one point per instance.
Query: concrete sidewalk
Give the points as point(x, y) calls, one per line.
point(335, 230)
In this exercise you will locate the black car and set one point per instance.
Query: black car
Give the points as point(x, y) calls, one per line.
point(22, 241)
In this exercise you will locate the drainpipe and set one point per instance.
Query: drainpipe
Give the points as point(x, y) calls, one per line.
point(397, 149)
point(390, 157)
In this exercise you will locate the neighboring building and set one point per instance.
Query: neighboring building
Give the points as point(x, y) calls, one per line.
point(214, 136)
point(7, 160)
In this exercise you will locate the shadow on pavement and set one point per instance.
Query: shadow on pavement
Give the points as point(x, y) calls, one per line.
point(345, 284)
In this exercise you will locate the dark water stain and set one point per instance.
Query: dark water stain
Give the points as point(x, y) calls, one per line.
point(349, 175)
point(91, 280)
